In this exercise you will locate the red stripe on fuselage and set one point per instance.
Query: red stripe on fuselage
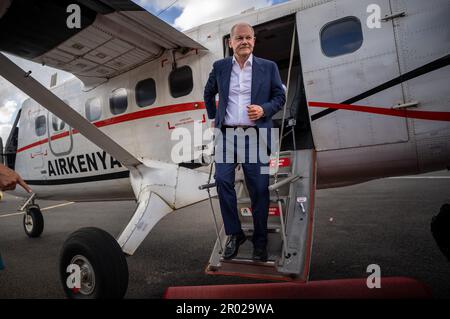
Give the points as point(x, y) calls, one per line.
point(163, 110)
point(422, 115)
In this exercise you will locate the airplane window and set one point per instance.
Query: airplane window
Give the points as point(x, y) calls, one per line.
point(57, 124)
point(118, 102)
point(145, 92)
point(181, 82)
point(40, 125)
point(93, 109)
point(341, 37)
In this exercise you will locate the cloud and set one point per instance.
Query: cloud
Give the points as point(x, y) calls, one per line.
point(11, 98)
point(157, 5)
point(5, 129)
point(10, 101)
point(8, 93)
point(196, 12)
point(7, 111)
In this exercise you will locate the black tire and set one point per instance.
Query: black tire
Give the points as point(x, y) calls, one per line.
point(106, 260)
point(33, 222)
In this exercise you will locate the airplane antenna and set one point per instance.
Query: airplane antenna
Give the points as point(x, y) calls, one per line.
point(167, 8)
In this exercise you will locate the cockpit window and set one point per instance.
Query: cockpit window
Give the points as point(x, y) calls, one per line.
point(40, 125)
point(341, 37)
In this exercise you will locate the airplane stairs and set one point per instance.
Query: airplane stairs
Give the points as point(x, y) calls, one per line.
point(294, 193)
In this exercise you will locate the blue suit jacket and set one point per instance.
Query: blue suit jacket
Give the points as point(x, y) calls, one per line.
point(267, 90)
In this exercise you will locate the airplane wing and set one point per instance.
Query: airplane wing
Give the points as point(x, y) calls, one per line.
point(114, 36)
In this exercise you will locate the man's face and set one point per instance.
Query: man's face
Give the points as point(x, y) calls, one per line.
point(242, 41)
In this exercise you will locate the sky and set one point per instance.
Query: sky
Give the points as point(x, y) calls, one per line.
point(181, 14)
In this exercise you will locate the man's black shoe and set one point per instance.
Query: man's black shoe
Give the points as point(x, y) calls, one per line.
point(260, 254)
point(232, 245)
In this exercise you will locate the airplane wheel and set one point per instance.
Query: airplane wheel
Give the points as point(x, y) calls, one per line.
point(103, 269)
point(33, 222)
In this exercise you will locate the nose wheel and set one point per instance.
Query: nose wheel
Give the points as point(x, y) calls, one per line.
point(33, 221)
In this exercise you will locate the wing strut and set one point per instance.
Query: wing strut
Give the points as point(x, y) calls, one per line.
point(14, 74)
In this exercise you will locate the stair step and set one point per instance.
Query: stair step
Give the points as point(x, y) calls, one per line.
point(251, 270)
point(245, 261)
point(273, 226)
point(273, 199)
point(246, 249)
point(238, 262)
point(243, 264)
point(281, 174)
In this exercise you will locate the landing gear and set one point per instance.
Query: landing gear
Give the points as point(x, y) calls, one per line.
point(33, 221)
point(93, 266)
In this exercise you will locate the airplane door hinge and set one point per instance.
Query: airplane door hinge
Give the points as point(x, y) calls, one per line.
point(393, 16)
point(406, 105)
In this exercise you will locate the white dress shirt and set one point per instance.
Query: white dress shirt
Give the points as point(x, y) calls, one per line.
point(239, 96)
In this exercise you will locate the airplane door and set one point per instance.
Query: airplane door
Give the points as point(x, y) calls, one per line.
point(344, 57)
point(60, 139)
point(37, 125)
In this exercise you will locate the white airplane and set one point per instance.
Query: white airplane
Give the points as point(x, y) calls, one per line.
point(367, 85)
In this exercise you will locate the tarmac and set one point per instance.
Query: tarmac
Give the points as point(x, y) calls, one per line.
point(384, 222)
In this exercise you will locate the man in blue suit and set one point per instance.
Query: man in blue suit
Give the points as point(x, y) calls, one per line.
point(250, 93)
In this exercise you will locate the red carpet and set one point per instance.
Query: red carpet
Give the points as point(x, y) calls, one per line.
point(391, 288)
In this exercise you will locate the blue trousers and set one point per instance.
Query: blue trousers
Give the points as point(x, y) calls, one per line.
point(257, 181)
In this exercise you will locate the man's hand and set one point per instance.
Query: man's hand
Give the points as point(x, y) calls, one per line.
point(255, 112)
point(9, 179)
